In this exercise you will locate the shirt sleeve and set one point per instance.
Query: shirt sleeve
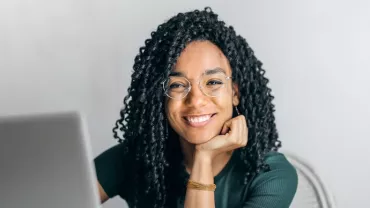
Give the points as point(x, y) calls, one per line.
point(275, 188)
point(110, 170)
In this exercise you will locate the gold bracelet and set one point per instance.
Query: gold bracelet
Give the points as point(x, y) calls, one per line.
point(199, 186)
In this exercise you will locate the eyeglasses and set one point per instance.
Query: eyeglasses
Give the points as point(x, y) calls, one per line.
point(178, 87)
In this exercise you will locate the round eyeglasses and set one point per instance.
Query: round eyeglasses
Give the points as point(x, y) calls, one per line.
point(178, 87)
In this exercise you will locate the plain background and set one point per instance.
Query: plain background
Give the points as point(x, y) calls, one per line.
point(78, 54)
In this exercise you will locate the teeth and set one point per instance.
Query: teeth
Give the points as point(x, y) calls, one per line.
point(198, 119)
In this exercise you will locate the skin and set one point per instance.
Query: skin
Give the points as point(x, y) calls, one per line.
point(206, 149)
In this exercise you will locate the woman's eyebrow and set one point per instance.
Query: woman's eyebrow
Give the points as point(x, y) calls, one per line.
point(215, 71)
point(176, 74)
point(207, 72)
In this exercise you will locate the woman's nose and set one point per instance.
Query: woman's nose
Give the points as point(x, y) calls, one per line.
point(195, 97)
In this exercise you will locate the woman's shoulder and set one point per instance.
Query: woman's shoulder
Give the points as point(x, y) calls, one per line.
point(276, 186)
point(281, 174)
point(279, 167)
point(279, 170)
point(115, 156)
point(278, 160)
point(112, 169)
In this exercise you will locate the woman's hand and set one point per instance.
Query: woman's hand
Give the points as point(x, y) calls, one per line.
point(234, 134)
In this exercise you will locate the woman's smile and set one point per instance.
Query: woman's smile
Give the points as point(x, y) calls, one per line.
point(199, 120)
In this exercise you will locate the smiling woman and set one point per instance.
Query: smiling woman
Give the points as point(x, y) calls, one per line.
point(198, 124)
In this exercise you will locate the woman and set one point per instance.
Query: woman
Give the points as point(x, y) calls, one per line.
point(198, 124)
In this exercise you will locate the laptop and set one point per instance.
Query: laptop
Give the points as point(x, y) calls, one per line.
point(46, 162)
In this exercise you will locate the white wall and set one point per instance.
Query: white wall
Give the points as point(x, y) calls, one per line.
point(45, 54)
point(79, 54)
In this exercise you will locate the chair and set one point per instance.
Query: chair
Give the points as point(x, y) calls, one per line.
point(311, 191)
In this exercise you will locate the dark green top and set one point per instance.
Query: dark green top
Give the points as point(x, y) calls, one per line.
point(273, 189)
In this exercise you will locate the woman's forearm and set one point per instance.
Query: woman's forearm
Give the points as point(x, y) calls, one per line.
point(202, 173)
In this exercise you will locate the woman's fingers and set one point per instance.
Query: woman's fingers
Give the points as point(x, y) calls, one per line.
point(234, 134)
point(226, 127)
point(244, 131)
point(240, 136)
point(235, 131)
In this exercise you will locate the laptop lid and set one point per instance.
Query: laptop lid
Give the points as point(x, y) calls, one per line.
point(46, 161)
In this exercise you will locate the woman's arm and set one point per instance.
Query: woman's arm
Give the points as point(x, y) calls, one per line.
point(201, 173)
point(103, 196)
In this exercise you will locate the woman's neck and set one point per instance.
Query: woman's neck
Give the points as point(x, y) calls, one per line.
point(188, 150)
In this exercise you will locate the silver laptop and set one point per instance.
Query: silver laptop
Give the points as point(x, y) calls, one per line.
point(46, 162)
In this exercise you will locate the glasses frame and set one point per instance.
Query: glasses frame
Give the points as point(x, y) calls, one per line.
point(186, 92)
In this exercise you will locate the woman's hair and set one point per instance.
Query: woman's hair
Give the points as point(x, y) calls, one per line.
point(151, 144)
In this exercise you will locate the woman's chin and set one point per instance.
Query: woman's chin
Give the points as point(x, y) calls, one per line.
point(198, 139)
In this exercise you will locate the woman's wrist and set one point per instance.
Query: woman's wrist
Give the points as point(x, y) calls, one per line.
point(202, 168)
point(203, 156)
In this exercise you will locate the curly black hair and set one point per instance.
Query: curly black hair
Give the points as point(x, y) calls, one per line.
point(150, 142)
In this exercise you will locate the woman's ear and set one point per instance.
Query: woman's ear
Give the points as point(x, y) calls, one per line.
point(236, 94)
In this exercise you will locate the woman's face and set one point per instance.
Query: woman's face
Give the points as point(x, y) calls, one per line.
point(197, 118)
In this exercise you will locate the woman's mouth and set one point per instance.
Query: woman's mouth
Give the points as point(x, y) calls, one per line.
point(198, 120)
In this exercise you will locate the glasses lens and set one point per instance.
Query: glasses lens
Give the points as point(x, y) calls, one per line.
point(213, 84)
point(176, 87)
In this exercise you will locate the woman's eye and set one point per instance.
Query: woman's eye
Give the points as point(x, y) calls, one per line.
point(214, 82)
point(176, 86)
